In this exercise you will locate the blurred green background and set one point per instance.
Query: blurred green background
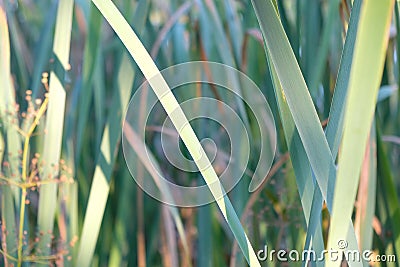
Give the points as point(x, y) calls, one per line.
point(56, 151)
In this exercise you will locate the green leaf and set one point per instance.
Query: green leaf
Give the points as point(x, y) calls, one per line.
point(108, 150)
point(54, 124)
point(109, 146)
point(334, 129)
point(170, 104)
point(9, 140)
point(295, 95)
point(91, 58)
point(365, 76)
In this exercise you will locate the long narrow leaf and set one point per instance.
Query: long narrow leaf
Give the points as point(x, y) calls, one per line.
point(170, 104)
point(10, 140)
point(54, 123)
point(366, 72)
point(105, 162)
point(300, 104)
point(334, 129)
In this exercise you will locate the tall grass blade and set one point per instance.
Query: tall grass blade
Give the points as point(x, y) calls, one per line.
point(323, 48)
point(296, 95)
point(109, 146)
point(9, 229)
point(235, 29)
point(42, 51)
point(334, 129)
point(10, 144)
point(170, 104)
point(367, 68)
point(306, 185)
point(105, 162)
point(91, 55)
point(300, 104)
point(21, 59)
point(54, 124)
point(8, 114)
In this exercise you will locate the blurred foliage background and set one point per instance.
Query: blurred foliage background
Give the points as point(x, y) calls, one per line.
point(46, 181)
